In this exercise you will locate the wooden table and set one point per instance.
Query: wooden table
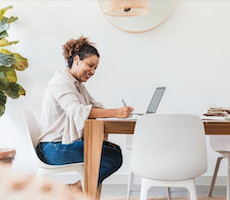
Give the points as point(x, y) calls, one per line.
point(94, 135)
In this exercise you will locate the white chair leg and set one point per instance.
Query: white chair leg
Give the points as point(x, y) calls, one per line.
point(81, 173)
point(214, 176)
point(168, 193)
point(132, 182)
point(228, 185)
point(41, 172)
point(145, 185)
point(82, 183)
point(130, 185)
point(191, 187)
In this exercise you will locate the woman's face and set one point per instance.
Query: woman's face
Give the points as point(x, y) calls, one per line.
point(84, 69)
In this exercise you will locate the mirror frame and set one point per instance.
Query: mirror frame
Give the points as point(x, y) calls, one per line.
point(141, 31)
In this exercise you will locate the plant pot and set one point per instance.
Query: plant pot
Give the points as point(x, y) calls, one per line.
point(7, 155)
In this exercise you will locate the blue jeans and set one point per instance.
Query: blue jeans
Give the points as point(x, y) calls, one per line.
point(55, 153)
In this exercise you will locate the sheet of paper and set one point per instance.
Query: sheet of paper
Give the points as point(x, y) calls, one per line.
point(212, 117)
point(118, 119)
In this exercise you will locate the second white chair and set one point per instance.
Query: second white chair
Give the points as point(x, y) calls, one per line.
point(43, 168)
point(169, 150)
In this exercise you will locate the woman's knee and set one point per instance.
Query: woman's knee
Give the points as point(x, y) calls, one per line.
point(112, 157)
point(118, 159)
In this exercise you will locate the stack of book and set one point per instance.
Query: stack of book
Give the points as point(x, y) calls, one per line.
point(218, 111)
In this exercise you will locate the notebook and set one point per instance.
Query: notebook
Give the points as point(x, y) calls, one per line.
point(154, 103)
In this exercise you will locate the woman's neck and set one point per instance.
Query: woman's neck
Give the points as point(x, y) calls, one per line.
point(69, 70)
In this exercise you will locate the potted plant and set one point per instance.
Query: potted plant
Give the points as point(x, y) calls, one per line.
point(9, 62)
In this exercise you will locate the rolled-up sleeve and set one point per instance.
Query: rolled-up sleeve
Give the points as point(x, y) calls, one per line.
point(75, 123)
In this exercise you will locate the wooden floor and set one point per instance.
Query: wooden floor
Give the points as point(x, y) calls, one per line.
point(120, 190)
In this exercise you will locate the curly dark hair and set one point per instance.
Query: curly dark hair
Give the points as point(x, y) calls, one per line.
point(81, 47)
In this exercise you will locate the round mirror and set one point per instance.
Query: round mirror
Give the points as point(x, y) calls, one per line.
point(159, 12)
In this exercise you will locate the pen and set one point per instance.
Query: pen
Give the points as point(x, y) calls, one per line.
point(123, 101)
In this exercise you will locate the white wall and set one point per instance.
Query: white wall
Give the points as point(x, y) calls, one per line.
point(189, 54)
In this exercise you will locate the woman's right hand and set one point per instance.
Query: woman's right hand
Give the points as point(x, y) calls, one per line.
point(123, 112)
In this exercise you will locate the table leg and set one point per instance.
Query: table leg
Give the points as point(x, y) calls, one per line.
point(106, 136)
point(98, 196)
point(93, 137)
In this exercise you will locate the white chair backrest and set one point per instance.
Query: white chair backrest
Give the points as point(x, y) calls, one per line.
point(33, 132)
point(169, 147)
point(220, 142)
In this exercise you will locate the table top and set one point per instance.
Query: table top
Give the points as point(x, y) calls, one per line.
point(126, 126)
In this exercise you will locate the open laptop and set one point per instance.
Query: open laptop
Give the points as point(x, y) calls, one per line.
point(154, 103)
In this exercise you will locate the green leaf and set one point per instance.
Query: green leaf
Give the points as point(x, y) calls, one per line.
point(7, 60)
point(12, 90)
point(2, 99)
point(2, 11)
point(4, 82)
point(4, 42)
point(5, 51)
point(3, 34)
point(12, 19)
point(4, 27)
point(6, 69)
point(22, 91)
point(2, 110)
point(21, 62)
point(4, 21)
point(12, 76)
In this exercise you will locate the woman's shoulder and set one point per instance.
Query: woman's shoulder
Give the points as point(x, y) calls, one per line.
point(62, 77)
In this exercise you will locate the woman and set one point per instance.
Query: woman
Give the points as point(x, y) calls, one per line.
point(67, 104)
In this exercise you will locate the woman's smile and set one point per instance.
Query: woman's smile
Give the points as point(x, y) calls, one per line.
point(88, 75)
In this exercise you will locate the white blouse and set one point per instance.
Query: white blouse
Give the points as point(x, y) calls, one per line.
point(66, 106)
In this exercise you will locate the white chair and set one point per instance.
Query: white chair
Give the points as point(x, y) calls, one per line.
point(169, 150)
point(44, 169)
point(220, 144)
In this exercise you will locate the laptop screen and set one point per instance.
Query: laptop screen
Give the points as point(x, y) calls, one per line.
point(155, 101)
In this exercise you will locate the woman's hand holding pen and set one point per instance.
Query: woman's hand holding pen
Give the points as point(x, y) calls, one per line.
point(123, 112)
